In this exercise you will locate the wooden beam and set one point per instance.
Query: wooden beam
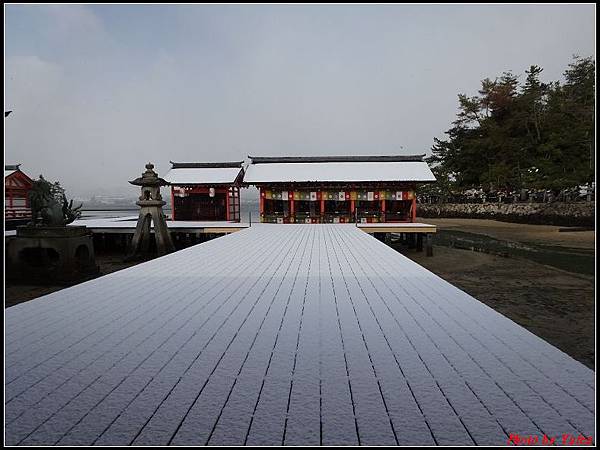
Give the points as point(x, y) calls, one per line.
point(392, 229)
point(429, 244)
point(172, 203)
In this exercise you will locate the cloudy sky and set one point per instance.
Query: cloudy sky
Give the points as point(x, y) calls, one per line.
point(98, 91)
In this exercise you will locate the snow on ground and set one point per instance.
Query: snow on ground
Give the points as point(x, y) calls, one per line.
point(131, 222)
point(282, 334)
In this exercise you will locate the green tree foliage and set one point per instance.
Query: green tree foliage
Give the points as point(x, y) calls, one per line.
point(516, 135)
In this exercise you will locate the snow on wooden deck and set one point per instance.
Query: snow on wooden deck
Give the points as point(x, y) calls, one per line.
point(124, 224)
point(282, 334)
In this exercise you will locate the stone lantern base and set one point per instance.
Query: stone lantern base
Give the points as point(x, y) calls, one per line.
point(50, 254)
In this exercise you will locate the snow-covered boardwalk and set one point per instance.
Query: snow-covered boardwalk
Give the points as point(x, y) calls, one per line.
point(126, 225)
point(293, 334)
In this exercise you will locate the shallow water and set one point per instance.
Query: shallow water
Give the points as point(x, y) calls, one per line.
point(575, 260)
point(111, 213)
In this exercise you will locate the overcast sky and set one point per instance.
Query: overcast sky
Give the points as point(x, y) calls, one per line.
point(98, 91)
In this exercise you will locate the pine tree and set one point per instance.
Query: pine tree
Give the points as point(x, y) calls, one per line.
point(510, 136)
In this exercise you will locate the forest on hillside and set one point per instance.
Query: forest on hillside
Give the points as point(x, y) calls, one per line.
point(520, 134)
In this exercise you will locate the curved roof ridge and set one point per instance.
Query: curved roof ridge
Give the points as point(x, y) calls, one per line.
point(203, 165)
point(325, 159)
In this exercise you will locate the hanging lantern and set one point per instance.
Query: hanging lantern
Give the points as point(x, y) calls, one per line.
point(211, 192)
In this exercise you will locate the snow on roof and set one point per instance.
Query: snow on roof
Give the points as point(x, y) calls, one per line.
point(203, 175)
point(338, 172)
point(9, 169)
point(196, 165)
point(345, 158)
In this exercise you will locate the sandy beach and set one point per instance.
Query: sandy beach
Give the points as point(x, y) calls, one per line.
point(518, 232)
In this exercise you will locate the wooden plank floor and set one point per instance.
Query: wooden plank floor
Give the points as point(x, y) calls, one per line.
point(126, 225)
point(282, 334)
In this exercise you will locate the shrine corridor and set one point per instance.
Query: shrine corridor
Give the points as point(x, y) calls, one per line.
point(282, 334)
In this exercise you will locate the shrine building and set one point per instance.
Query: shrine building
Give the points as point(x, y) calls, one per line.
point(205, 191)
point(338, 189)
point(16, 194)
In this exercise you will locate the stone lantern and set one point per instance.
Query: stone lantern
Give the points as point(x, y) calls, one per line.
point(151, 203)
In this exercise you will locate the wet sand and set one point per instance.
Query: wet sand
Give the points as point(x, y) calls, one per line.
point(18, 293)
point(518, 232)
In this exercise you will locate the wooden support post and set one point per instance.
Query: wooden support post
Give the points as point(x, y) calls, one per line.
point(322, 213)
point(261, 204)
point(383, 210)
point(172, 203)
point(429, 244)
point(419, 242)
point(227, 206)
point(237, 208)
point(412, 241)
point(414, 207)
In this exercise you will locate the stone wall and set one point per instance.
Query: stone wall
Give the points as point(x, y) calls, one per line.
point(562, 214)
